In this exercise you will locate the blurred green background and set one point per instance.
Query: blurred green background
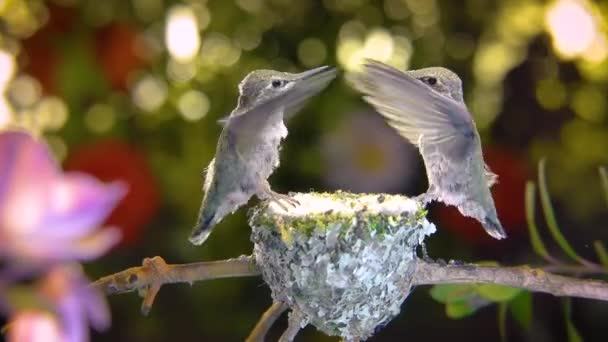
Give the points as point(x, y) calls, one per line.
point(132, 90)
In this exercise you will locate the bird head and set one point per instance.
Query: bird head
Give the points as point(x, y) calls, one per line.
point(441, 80)
point(260, 86)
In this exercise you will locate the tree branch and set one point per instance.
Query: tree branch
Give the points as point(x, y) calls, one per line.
point(154, 273)
point(523, 277)
point(294, 325)
point(573, 269)
point(258, 334)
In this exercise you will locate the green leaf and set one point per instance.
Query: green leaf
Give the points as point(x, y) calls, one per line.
point(459, 309)
point(537, 243)
point(604, 181)
point(460, 300)
point(502, 321)
point(601, 252)
point(447, 293)
point(521, 309)
point(545, 200)
point(497, 293)
point(573, 334)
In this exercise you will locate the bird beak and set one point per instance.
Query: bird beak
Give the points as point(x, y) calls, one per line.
point(325, 72)
point(313, 81)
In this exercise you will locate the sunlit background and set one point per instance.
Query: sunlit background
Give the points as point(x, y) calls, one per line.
point(132, 90)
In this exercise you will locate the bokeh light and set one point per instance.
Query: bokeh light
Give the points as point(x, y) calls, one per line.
point(193, 105)
point(156, 75)
point(551, 94)
point(24, 91)
point(7, 69)
point(589, 103)
point(100, 118)
point(149, 93)
point(218, 50)
point(51, 113)
point(356, 43)
point(180, 72)
point(575, 30)
point(312, 52)
point(182, 33)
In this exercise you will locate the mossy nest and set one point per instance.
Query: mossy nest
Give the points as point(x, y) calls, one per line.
point(344, 261)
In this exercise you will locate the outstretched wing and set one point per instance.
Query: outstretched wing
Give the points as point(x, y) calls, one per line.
point(245, 128)
point(415, 110)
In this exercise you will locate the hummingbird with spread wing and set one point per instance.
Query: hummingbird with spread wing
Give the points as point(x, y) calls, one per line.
point(427, 108)
point(248, 148)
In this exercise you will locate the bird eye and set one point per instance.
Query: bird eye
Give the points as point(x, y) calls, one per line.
point(429, 80)
point(277, 83)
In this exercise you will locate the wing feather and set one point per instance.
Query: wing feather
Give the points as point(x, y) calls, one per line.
point(414, 109)
point(246, 128)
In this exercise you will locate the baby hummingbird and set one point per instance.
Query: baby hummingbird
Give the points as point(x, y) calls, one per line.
point(426, 107)
point(248, 148)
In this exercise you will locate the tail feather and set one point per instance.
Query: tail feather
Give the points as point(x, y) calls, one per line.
point(494, 228)
point(203, 228)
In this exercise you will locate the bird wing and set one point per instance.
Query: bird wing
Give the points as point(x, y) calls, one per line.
point(415, 110)
point(246, 128)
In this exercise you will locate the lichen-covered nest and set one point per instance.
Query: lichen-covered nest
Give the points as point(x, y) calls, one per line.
point(344, 261)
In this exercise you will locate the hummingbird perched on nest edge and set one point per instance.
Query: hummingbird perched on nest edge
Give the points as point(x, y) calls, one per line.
point(248, 148)
point(427, 108)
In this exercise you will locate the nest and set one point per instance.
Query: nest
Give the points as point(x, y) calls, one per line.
point(343, 261)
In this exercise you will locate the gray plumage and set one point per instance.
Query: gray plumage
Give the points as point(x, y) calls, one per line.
point(248, 148)
point(426, 107)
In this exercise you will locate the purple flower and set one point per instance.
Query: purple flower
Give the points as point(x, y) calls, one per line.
point(74, 304)
point(34, 326)
point(366, 155)
point(48, 216)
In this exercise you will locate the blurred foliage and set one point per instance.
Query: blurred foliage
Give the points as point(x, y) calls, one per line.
point(132, 89)
point(464, 300)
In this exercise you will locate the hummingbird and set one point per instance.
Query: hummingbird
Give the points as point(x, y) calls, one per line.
point(247, 151)
point(427, 108)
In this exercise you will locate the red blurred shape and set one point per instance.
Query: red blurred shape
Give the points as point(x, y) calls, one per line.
point(115, 50)
point(508, 196)
point(41, 54)
point(111, 160)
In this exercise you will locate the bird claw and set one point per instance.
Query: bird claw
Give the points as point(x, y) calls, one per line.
point(158, 271)
point(424, 198)
point(278, 198)
point(425, 254)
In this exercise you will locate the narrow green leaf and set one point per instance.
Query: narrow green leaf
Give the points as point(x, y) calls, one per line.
point(497, 293)
point(573, 334)
point(601, 252)
point(521, 309)
point(537, 243)
point(502, 321)
point(545, 200)
point(604, 181)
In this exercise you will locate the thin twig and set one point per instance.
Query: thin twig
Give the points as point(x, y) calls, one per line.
point(266, 321)
point(523, 277)
point(574, 269)
point(295, 324)
point(154, 273)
